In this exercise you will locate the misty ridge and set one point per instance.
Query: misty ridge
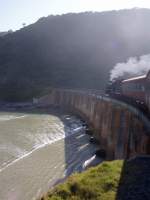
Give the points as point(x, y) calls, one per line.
point(5, 33)
point(74, 50)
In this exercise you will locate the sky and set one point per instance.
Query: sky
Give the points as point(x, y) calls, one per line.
point(13, 13)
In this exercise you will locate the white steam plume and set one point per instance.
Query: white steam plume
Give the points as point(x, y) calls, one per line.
point(133, 67)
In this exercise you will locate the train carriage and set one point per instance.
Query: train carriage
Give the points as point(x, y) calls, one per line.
point(134, 88)
point(137, 88)
point(148, 90)
point(135, 91)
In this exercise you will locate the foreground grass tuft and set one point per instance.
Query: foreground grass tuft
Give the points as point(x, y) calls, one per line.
point(97, 183)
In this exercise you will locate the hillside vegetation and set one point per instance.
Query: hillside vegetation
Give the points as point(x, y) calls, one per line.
point(115, 180)
point(98, 183)
point(71, 50)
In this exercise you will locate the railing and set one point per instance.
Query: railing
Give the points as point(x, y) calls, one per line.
point(128, 100)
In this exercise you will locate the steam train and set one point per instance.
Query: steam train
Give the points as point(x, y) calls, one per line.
point(135, 91)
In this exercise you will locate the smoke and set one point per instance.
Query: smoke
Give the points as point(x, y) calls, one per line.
point(133, 67)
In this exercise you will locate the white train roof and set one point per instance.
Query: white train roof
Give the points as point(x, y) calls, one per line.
point(135, 78)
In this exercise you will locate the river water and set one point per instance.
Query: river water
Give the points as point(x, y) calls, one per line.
point(37, 150)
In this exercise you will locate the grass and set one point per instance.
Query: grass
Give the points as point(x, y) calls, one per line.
point(97, 183)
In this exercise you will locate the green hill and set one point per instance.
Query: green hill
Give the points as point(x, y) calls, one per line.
point(71, 50)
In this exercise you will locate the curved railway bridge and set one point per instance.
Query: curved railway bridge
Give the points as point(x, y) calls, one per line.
point(121, 129)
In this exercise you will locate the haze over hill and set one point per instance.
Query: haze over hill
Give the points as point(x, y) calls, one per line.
point(71, 50)
point(3, 33)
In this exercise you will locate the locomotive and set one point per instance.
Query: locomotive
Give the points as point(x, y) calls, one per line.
point(135, 90)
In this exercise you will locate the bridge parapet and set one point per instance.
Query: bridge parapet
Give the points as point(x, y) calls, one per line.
point(122, 130)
